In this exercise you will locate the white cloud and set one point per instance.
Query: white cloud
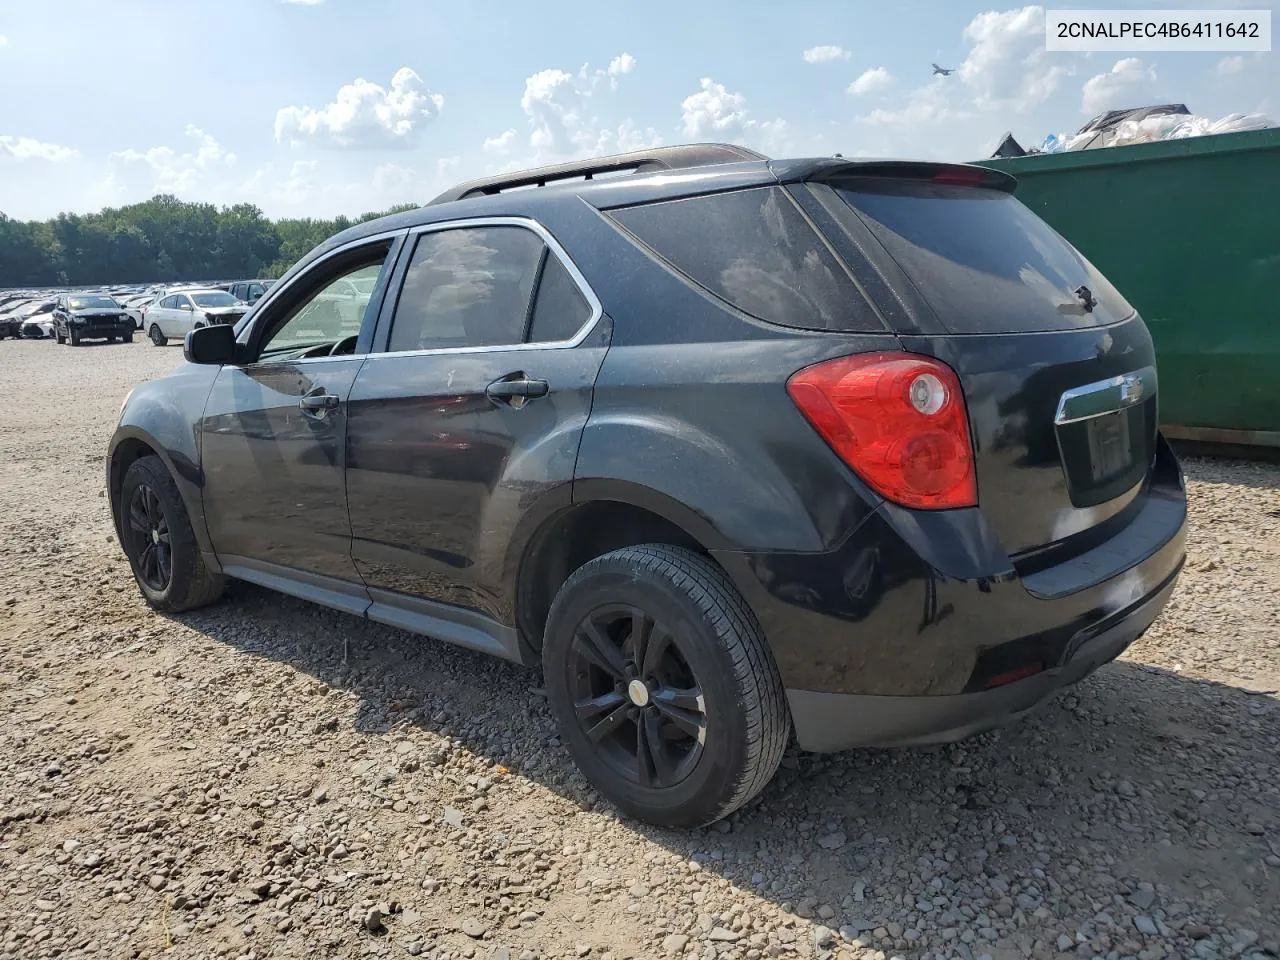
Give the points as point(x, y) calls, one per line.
point(304, 3)
point(25, 148)
point(172, 171)
point(553, 102)
point(4, 41)
point(1125, 81)
point(624, 138)
point(825, 54)
point(561, 109)
point(1230, 65)
point(1008, 67)
point(623, 63)
point(714, 113)
point(502, 143)
point(871, 81)
point(364, 115)
point(925, 105)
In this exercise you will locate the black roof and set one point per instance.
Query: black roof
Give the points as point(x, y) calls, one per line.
point(703, 167)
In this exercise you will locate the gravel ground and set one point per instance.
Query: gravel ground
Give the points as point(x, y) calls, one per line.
point(220, 784)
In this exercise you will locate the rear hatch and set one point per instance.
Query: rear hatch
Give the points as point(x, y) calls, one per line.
point(1057, 369)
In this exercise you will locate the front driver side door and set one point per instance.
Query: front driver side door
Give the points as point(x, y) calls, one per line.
point(274, 436)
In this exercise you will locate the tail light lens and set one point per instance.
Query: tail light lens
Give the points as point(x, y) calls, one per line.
point(899, 420)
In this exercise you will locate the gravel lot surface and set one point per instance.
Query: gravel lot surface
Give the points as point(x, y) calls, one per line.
point(220, 784)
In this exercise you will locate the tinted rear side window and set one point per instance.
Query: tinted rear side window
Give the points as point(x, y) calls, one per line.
point(754, 249)
point(561, 309)
point(467, 287)
point(982, 260)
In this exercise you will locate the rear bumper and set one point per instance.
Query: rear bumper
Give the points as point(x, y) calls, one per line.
point(911, 630)
point(826, 722)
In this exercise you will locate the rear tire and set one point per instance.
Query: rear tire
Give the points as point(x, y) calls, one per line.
point(687, 725)
point(158, 338)
point(159, 542)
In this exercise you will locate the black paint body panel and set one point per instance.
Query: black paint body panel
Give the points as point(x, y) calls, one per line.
point(415, 500)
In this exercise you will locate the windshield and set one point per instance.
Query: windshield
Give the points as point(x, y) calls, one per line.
point(93, 303)
point(214, 299)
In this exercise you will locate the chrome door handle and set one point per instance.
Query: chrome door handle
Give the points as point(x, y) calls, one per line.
point(318, 402)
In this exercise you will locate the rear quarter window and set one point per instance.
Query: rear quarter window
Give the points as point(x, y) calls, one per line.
point(982, 260)
point(756, 251)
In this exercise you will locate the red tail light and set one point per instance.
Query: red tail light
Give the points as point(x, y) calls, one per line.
point(899, 420)
point(959, 176)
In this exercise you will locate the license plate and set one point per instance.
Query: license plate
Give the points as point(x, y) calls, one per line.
point(1110, 449)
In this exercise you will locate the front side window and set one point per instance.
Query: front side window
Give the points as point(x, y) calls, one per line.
point(331, 314)
point(467, 287)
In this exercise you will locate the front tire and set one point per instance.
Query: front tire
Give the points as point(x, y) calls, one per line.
point(59, 337)
point(159, 542)
point(73, 337)
point(127, 337)
point(663, 686)
point(158, 338)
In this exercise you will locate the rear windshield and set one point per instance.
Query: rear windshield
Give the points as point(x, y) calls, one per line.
point(755, 250)
point(982, 260)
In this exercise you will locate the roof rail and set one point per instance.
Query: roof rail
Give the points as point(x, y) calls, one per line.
point(639, 161)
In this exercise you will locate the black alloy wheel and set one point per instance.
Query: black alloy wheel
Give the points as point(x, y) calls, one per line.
point(663, 686)
point(148, 531)
point(635, 696)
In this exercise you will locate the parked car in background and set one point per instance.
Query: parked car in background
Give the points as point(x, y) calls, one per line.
point(11, 314)
point(175, 315)
point(858, 451)
point(136, 308)
point(90, 316)
point(250, 291)
point(38, 320)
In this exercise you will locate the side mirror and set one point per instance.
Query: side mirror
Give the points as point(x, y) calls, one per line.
point(214, 344)
point(186, 307)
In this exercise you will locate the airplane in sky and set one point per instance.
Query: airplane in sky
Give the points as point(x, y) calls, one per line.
point(942, 71)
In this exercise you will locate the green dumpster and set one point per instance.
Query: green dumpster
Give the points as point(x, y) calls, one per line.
point(1189, 231)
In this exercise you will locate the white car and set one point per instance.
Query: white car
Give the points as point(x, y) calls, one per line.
point(136, 307)
point(174, 315)
point(37, 319)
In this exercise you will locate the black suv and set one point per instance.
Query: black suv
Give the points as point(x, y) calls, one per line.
point(90, 316)
point(734, 448)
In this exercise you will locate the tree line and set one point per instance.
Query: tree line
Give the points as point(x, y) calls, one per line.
point(161, 240)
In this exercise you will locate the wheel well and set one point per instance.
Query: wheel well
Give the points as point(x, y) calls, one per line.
point(126, 452)
point(576, 536)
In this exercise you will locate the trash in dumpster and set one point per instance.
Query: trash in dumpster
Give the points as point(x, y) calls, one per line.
point(1119, 128)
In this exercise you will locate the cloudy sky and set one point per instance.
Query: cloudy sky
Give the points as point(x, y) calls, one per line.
point(318, 107)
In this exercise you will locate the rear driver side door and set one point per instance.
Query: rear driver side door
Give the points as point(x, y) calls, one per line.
point(465, 420)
